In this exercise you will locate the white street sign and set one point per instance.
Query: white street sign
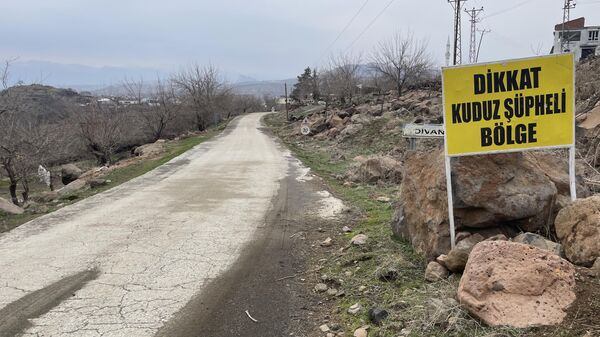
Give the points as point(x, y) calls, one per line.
point(423, 131)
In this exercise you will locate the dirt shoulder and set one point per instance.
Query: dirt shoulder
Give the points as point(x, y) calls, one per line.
point(386, 273)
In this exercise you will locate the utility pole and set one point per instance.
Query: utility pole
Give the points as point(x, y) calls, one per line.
point(456, 4)
point(287, 114)
point(483, 32)
point(474, 14)
point(569, 4)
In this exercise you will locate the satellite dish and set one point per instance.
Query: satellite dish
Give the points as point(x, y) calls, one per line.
point(305, 130)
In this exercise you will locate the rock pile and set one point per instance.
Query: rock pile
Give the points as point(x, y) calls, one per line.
point(496, 194)
point(340, 124)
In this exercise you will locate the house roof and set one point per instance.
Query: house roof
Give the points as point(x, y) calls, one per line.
point(578, 23)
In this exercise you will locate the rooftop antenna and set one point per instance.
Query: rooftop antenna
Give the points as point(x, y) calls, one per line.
point(456, 4)
point(474, 14)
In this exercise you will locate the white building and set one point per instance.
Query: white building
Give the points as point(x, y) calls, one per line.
point(579, 39)
point(105, 100)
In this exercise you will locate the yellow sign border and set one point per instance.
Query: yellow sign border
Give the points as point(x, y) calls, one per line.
point(565, 146)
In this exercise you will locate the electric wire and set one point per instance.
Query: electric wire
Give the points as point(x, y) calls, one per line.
point(370, 25)
point(521, 4)
point(343, 31)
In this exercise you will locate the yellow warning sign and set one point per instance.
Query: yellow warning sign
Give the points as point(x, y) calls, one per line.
point(510, 105)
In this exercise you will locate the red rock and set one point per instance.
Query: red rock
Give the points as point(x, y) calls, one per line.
point(578, 229)
point(512, 284)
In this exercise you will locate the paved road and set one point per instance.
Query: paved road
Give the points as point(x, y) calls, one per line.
point(123, 262)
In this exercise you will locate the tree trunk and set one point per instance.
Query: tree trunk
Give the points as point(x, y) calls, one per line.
point(199, 122)
point(382, 100)
point(12, 177)
point(25, 194)
point(13, 192)
point(51, 186)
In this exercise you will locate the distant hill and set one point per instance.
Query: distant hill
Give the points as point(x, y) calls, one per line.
point(261, 88)
point(103, 80)
point(42, 102)
point(76, 76)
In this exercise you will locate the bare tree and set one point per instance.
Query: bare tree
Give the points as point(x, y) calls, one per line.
point(343, 76)
point(205, 89)
point(134, 89)
point(162, 109)
point(242, 104)
point(402, 60)
point(25, 143)
point(101, 130)
point(379, 82)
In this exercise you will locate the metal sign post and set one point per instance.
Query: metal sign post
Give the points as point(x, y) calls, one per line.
point(509, 106)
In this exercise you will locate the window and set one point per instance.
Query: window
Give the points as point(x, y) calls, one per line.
point(571, 36)
point(593, 35)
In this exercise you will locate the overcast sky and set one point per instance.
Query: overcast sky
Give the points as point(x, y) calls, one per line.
point(266, 39)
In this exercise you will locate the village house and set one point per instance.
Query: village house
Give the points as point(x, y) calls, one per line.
point(581, 40)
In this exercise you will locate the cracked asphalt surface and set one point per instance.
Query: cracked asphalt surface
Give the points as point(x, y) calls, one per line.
point(150, 245)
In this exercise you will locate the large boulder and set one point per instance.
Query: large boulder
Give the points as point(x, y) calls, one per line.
point(376, 168)
point(512, 284)
point(150, 150)
point(422, 213)
point(10, 208)
point(72, 188)
point(492, 194)
point(501, 188)
point(578, 229)
point(335, 121)
point(69, 173)
point(361, 119)
point(351, 130)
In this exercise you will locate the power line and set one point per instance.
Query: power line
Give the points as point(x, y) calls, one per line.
point(508, 9)
point(370, 24)
point(343, 30)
